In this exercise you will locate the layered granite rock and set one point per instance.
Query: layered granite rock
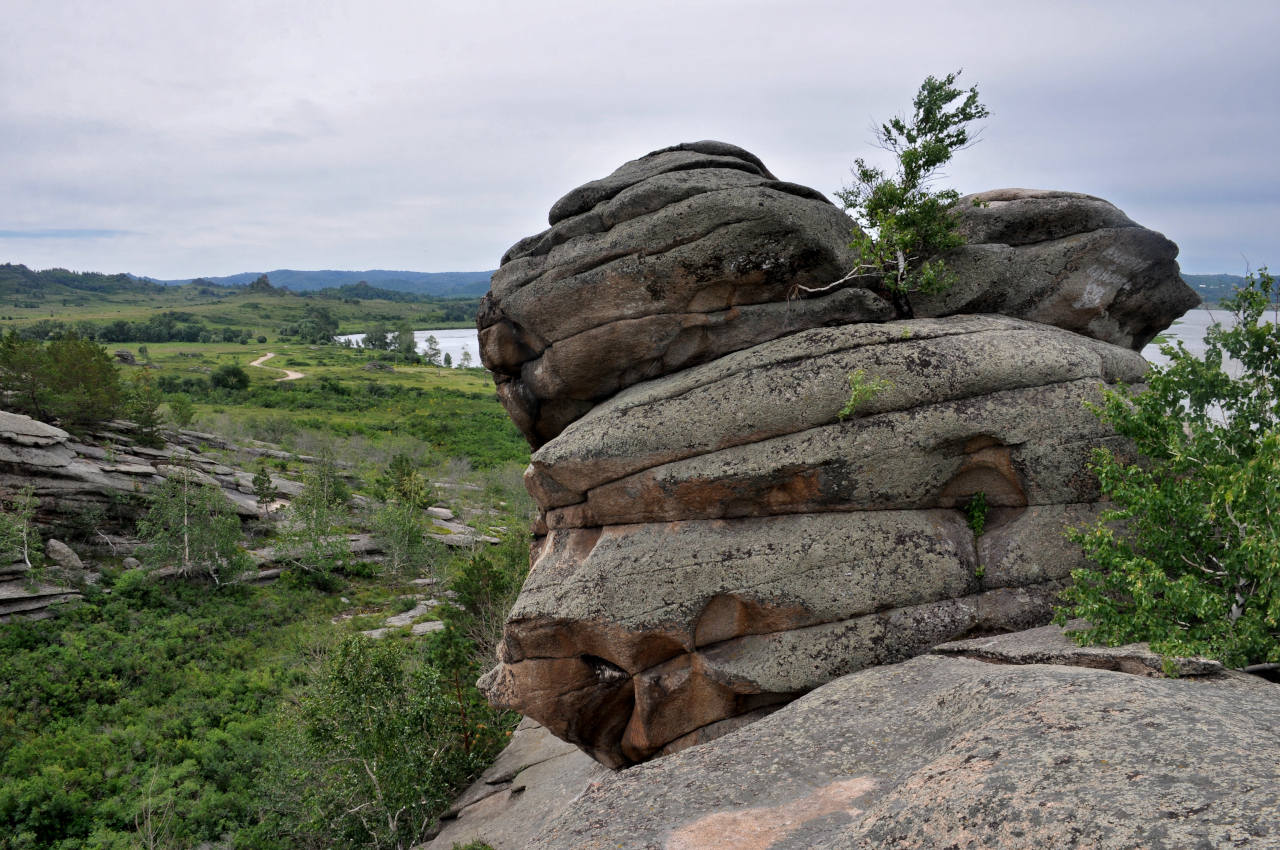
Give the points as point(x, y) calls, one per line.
point(697, 250)
point(1064, 259)
point(674, 259)
point(720, 532)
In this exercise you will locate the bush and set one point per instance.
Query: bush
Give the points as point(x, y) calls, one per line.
point(193, 527)
point(382, 743)
point(231, 377)
point(1189, 558)
point(904, 224)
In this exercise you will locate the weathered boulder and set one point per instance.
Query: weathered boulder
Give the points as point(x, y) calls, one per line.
point(62, 555)
point(758, 432)
point(720, 533)
point(1064, 259)
point(720, 540)
point(676, 258)
point(697, 250)
point(955, 752)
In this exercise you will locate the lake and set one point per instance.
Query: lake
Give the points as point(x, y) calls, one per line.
point(452, 341)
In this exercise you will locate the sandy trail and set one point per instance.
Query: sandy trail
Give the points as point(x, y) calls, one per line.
point(289, 374)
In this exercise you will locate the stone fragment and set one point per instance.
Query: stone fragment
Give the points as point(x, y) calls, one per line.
point(62, 555)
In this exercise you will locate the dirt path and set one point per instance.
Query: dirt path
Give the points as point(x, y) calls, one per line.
point(289, 374)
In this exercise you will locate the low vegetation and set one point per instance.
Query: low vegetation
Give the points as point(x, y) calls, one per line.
point(200, 710)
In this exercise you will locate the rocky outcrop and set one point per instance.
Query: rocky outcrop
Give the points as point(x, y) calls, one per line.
point(721, 531)
point(674, 259)
point(695, 251)
point(955, 752)
point(523, 792)
point(1064, 259)
point(71, 476)
point(1014, 741)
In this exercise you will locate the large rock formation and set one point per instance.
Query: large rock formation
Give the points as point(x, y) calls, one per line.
point(1046, 745)
point(720, 535)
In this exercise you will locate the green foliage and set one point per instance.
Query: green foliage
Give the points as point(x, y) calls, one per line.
point(405, 344)
point(142, 401)
point(19, 537)
point(315, 542)
point(975, 511)
point(904, 224)
point(382, 748)
point(69, 380)
point(861, 390)
point(401, 527)
point(264, 489)
point(146, 707)
point(230, 376)
point(1189, 558)
point(181, 409)
point(192, 527)
point(485, 584)
point(431, 350)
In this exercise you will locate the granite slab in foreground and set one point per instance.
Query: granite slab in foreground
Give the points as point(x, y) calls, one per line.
point(952, 751)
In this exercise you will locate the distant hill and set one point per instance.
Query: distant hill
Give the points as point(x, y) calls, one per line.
point(443, 284)
point(1212, 288)
point(18, 281)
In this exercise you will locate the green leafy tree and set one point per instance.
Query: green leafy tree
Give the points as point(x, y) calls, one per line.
point(70, 380)
point(229, 376)
point(431, 350)
point(192, 527)
point(264, 489)
point(315, 540)
point(905, 225)
point(86, 386)
point(381, 756)
point(376, 337)
point(24, 376)
point(1189, 557)
point(406, 345)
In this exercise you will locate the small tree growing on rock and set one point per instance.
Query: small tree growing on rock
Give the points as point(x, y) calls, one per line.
point(905, 226)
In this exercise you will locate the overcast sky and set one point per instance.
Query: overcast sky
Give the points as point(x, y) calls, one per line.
point(177, 139)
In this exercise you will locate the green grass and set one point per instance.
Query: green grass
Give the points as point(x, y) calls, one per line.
point(450, 413)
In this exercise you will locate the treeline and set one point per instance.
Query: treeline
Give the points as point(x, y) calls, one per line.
point(169, 326)
point(316, 325)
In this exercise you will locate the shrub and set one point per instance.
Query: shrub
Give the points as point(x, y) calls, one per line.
point(231, 377)
point(1189, 557)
